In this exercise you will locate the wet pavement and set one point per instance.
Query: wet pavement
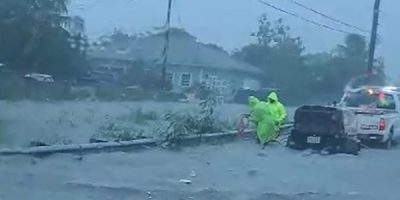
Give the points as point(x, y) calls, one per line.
point(234, 171)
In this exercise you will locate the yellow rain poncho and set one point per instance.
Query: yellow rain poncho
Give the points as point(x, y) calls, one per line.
point(261, 117)
point(278, 111)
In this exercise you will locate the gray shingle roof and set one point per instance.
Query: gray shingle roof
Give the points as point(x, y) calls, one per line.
point(183, 50)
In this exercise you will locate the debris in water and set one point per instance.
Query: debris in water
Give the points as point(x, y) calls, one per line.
point(33, 161)
point(165, 145)
point(78, 157)
point(36, 143)
point(353, 193)
point(261, 154)
point(149, 195)
point(252, 172)
point(325, 152)
point(146, 147)
point(186, 181)
point(95, 140)
point(193, 173)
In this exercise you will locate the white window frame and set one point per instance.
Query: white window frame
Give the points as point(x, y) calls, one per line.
point(190, 80)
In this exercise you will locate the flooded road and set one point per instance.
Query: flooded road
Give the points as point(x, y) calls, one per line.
point(234, 171)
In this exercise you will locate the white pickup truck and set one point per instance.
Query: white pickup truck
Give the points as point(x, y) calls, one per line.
point(375, 112)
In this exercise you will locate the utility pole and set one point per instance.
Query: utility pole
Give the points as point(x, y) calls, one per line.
point(372, 43)
point(166, 45)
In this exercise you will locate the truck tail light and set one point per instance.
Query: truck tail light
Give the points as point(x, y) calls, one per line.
point(382, 124)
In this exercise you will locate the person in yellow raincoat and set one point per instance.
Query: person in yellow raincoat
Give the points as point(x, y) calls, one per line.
point(278, 111)
point(261, 117)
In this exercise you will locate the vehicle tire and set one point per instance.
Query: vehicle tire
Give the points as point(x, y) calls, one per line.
point(350, 146)
point(389, 142)
point(293, 144)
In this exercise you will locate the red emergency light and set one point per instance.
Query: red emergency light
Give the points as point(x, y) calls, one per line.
point(382, 124)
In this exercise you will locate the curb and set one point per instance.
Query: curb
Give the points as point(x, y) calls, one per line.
point(120, 146)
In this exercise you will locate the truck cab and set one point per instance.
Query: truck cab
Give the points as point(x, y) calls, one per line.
point(375, 111)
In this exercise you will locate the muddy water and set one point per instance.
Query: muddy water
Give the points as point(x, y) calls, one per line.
point(236, 171)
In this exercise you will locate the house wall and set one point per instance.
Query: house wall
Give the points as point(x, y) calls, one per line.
point(227, 82)
point(113, 66)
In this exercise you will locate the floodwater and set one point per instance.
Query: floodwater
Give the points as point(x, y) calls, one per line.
point(76, 122)
point(233, 171)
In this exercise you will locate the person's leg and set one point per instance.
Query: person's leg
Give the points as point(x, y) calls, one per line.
point(265, 132)
point(261, 133)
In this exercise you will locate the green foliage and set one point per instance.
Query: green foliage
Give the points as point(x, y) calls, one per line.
point(108, 92)
point(34, 37)
point(112, 131)
point(141, 117)
point(300, 78)
point(277, 53)
point(181, 125)
point(79, 94)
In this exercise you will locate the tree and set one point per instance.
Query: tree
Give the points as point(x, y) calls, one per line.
point(304, 77)
point(354, 48)
point(278, 54)
point(34, 37)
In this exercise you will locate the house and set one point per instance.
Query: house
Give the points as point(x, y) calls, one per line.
point(189, 62)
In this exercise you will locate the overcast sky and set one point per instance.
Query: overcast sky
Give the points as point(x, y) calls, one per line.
point(229, 23)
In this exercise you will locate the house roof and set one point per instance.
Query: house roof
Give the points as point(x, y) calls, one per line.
point(183, 50)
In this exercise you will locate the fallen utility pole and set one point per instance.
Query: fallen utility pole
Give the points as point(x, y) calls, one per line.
point(166, 46)
point(372, 43)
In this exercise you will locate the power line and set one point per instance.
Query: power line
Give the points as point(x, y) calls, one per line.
point(305, 19)
point(329, 17)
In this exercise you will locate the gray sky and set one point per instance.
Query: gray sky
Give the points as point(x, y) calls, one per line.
point(229, 23)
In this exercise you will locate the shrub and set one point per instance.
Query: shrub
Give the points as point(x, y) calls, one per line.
point(112, 131)
point(80, 94)
point(141, 117)
point(180, 125)
point(108, 92)
point(137, 94)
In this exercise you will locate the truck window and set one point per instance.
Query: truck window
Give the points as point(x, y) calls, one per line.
point(365, 98)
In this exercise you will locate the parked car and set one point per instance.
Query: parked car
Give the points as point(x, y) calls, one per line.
point(323, 128)
point(376, 111)
point(39, 77)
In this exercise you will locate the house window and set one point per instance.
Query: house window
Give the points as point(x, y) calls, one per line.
point(186, 80)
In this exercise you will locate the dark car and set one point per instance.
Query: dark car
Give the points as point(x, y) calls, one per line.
point(321, 128)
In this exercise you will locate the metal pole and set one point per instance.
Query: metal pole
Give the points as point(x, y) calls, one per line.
point(372, 43)
point(166, 45)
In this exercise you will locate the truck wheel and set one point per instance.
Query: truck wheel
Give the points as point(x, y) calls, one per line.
point(292, 144)
point(389, 143)
point(350, 146)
